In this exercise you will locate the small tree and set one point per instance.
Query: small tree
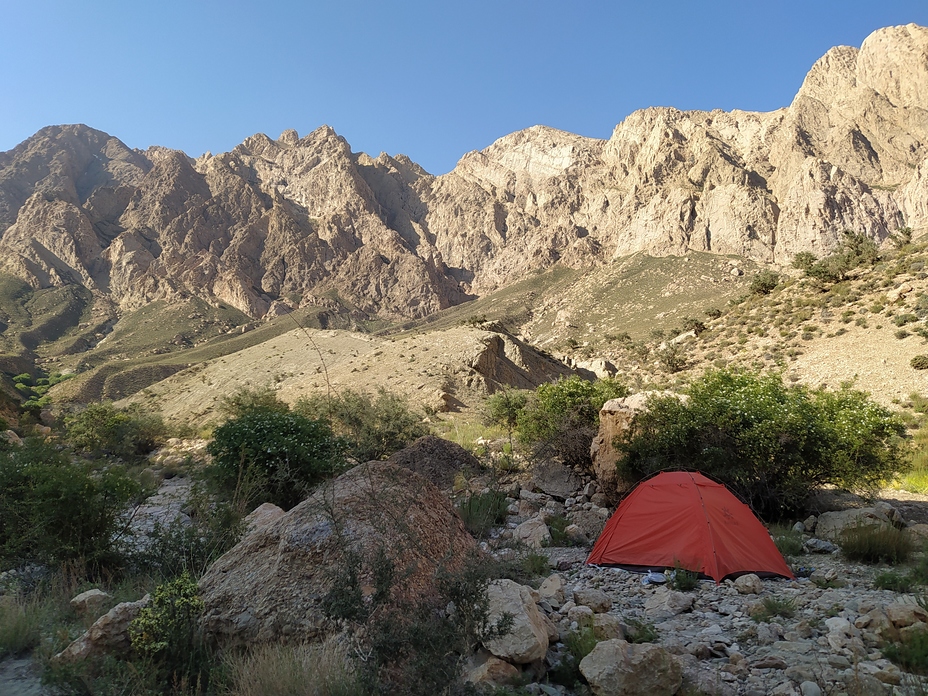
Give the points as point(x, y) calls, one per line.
point(54, 510)
point(764, 282)
point(504, 408)
point(770, 443)
point(123, 432)
point(280, 456)
point(562, 419)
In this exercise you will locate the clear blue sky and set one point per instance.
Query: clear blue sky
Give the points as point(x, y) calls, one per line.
point(432, 80)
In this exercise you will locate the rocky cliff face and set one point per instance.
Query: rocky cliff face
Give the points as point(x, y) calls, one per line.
point(274, 223)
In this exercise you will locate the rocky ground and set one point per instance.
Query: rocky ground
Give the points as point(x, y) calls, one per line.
point(822, 634)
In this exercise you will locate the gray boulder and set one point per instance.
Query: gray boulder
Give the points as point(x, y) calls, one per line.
point(618, 668)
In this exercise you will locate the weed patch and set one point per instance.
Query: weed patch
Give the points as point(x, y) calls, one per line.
point(876, 544)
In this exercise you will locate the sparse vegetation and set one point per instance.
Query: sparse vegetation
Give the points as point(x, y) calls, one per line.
point(787, 540)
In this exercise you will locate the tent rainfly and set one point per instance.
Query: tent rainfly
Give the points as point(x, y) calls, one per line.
point(683, 519)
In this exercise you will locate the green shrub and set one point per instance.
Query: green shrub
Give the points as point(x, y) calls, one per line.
point(804, 260)
point(855, 250)
point(536, 564)
point(911, 655)
point(919, 362)
point(695, 325)
point(418, 646)
point(54, 510)
point(248, 399)
point(771, 444)
point(123, 432)
point(273, 456)
point(579, 644)
point(872, 543)
point(374, 427)
point(640, 631)
point(672, 358)
point(166, 633)
point(563, 417)
point(771, 607)
point(682, 580)
point(481, 511)
point(557, 527)
point(891, 580)
point(190, 546)
point(764, 282)
point(504, 408)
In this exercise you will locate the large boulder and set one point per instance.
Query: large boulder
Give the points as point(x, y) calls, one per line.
point(527, 640)
point(618, 668)
point(436, 459)
point(271, 585)
point(832, 525)
point(615, 418)
point(109, 635)
point(556, 479)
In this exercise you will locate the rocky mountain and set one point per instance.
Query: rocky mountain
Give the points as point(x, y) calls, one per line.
point(275, 224)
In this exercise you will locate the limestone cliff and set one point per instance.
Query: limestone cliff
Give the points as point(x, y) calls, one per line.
point(276, 223)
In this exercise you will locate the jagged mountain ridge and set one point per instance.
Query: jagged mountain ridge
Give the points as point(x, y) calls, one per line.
point(276, 223)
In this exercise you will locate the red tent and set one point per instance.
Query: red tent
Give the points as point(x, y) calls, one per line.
point(683, 518)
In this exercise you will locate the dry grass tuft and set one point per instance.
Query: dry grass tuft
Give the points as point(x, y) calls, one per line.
point(294, 670)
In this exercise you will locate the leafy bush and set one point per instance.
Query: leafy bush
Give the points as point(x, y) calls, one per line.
point(274, 456)
point(855, 250)
point(911, 655)
point(771, 444)
point(557, 526)
point(579, 644)
point(54, 510)
point(563, 417)
point(640, 631)
point(682, 580)
point(418, 646)
point(697, 326)
point(248, 399)
point(764, 282)
point(504, 408)
point(481, 511)
point(374, 427)
point(165, 632)
point(870, 543)
point(919, 362)
point(123, 432)
point(191, 546)
point(672, 358)
point(772, 607)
